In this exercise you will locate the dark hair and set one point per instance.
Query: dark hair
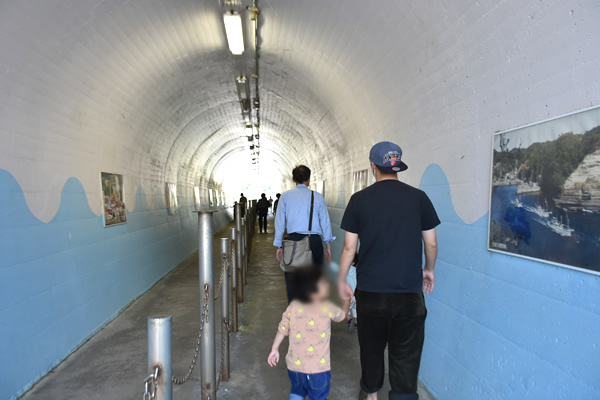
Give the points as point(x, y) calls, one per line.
point(263, 195)
point(305, 282)
point(301, 174)
point(278, 195)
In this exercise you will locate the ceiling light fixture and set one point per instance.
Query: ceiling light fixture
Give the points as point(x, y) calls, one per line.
point(235, 34)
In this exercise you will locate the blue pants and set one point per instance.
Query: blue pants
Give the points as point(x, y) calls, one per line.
point(315, 386)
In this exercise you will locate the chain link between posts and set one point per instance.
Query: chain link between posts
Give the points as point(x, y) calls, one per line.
point(203, 319)
point(151, 385)
point(226, 328)
point(151, 382)
point(224, 263)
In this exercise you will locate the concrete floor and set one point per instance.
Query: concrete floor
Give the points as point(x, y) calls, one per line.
point(112, 365)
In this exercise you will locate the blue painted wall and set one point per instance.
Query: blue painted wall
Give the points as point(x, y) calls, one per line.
point(62, 281)
point(502, 327)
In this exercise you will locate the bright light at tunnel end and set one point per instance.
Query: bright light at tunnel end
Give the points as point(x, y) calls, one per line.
point(233, 29)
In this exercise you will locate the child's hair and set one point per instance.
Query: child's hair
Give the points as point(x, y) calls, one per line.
point(305, 282)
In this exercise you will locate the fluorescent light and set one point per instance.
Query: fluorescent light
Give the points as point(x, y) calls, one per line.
point(235, 34)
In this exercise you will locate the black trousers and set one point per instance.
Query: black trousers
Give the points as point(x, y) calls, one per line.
point(262, 221)
point(395, 320)
point(318, 253)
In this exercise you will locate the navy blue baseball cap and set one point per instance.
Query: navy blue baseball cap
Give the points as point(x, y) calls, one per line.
point(387, 157)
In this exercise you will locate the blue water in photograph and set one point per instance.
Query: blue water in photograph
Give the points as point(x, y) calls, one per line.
point(527, 225)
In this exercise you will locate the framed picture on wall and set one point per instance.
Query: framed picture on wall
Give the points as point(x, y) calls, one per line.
point(211, 200)
point(113, 203)
point(196, 198)
point(321, 187)
point(172, 203)
point(545, 191)
point(359, 180)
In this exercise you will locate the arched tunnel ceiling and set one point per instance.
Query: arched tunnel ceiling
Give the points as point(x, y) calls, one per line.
point(146, 88)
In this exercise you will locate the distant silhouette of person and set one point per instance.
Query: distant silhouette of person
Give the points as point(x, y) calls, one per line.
point(243, 205)
point(278, 195)
point(263, 210)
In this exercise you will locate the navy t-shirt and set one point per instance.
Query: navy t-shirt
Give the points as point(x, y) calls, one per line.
point(389, 217)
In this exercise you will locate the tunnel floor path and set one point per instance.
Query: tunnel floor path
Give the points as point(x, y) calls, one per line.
point(112, 364)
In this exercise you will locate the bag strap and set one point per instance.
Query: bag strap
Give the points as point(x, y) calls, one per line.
point(312, 206)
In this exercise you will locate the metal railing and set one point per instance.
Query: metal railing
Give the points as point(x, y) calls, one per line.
point(234, 254)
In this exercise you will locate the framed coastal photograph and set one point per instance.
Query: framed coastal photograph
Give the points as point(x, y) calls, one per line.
point(113, 204)
point(545, 191)
point(172, 203)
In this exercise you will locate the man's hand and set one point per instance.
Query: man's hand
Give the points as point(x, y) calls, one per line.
point(279, 254)
point(428, 281)
point(345, 291)
point(273, 358)
point(328, 256)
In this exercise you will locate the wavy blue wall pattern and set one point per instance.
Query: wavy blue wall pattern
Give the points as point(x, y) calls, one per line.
point(502, 327)
point(62, 281)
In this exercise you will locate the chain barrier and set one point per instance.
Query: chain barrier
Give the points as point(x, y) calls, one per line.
point(226, 331)
point(232, 269)
point(203, 319)
point(151, 382)
point(220, 285)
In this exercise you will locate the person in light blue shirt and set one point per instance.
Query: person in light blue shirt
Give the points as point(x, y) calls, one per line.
point(293, 211)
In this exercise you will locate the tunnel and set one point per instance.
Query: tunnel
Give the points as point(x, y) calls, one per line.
point(150, 91)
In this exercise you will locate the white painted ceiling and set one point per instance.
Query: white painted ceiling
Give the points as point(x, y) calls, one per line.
point(146, 87)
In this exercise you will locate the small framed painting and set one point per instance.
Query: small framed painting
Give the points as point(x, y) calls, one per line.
point(196, 198)
point(113, 210)
point(172, 203)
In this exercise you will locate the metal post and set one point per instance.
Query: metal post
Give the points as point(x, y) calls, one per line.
point(207, 306)
point(243, 234)
point(159, 355)
point(225, 308)
point(238, 255)
point(234, 282)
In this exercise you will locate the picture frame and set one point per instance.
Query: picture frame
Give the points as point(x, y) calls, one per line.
point(114, 211)
point(545, 191)
point(172, 202)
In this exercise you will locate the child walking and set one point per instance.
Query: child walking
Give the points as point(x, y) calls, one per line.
point(307, 322)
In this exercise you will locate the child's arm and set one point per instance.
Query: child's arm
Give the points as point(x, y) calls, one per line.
point(341, 313)
point(274, 355)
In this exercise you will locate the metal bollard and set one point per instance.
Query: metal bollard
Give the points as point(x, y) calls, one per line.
point(159, 355)
point(225, 308)
point(238, 260)
point(244, 252)
point(207, 305)
point(234, 282)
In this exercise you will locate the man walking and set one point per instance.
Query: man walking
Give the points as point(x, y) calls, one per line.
point(263, 210)
point(293, 211)
point(243, 205)
point(392, 220)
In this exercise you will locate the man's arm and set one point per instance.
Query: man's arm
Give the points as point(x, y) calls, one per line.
point(279, 223)
point(431, 250)
point(348, 253)
point(325, 223)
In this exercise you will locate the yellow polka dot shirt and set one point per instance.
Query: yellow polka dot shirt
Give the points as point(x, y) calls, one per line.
point(308, 327)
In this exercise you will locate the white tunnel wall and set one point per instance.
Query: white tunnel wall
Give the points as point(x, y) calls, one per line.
point(145, 88)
